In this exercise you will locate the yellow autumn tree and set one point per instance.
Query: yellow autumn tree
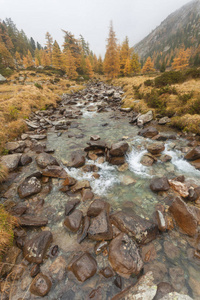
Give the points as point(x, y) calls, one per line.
point(18, 58)
point(28, 60)
point(111, 61)
point(70, 65)
point(45, 58)
point(49, 45)
point(181, 61)
point(57, 56)
point(124, 55)
point(5, 56)
point(135, 63)
point(89, 70)
point(127, 68)
point(148, 66)
point(100, 65)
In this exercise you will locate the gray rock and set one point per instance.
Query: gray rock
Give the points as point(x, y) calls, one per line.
point(11, 161)
point(29, 187)
point(145, 118)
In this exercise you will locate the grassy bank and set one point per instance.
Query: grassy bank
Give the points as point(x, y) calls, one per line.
point(27, 91)
point(172, 94)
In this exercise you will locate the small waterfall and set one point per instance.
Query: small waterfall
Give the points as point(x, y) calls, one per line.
point(133, 159)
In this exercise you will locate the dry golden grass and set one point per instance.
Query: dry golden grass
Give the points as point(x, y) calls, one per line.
point(18, 100)
point(3, 172)
point(7, 223)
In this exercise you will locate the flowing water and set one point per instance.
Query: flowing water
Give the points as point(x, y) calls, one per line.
point(173, 259)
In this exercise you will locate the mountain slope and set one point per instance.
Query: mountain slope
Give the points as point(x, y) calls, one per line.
point(181, 28)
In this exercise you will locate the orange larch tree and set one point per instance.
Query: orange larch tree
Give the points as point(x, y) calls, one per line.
point(57, 56)
point(49, 45)
point(111, 61)
point(124, 55)
point(181, 61)
point(89, 70)
point(70, 65)
point(148, 66)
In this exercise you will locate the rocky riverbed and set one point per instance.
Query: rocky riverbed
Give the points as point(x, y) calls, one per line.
point(107, 203)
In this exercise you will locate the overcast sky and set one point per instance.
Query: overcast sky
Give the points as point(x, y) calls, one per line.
point(91, 18)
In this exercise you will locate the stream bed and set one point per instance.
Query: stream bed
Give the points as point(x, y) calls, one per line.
point(170, 256)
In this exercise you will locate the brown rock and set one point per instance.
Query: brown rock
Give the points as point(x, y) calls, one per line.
point(83, 267)
point(107, 272)
point(159, 184)
point(163, 289)
point(11, 161)
point(97, 206)
point(84, 232)
point(35, 249)
point(148, 252)
point(77, 159)
point(193, 154)
point(177, 278)
point(184, 216)
point(90, 168)
point(179, 187)
point(25, 160)
point(156, 148)
point(35, 270)
point(44, 159)
point(100, 227)
point(70, 206)
point(119, 149)
point(87, 194)
point(165, 158)
point(54, 171)
point(69, 181)
point(95, 145)
point(40, 285)
point(29, 187)
point(141, 229)
point(147, 160)
point(32, 221)
point(171, 250)
point(73, 221)
point(80, 185)
point(58, 268)
point(116, 160)
point(148, 132)
point(124, 256)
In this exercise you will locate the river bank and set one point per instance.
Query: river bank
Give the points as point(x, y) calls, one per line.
point(83, 182)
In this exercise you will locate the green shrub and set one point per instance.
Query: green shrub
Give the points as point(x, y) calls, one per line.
point(185, 97)
point(194, 107)
point(154, 101)
point(171, 77)
point(192, 73)
point(167, 90)
point(149, 82)
point(37, 85)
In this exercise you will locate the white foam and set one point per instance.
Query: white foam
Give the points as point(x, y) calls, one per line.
point(100, 186)
point(133, 159)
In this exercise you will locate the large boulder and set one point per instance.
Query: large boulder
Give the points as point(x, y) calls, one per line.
point(145, 118)
point(32, 221)
point(142, 230)
point(30, 186)
point(77, 159)
point(40, 285)
point(54, 171)
point(156, 148)
point(119, 149)
point(83, 266)
point(97, 206)
point(193, 154)
point(44, 159)
point(184, 216)
point(124, 256)
point(159, 184)
point(100, 227)
point(15, 147)
point(11, 161)
point(116, 160)
point(73, 221)
point(35, 249)
point(148, 132)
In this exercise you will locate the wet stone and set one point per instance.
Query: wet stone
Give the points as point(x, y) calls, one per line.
point(163, 289)
point(124, 256)
point(100, 227)
point(86, 223)
point(141, 229)
point(156, 148)
point(54, 171)
point(100, 247)
point(11, 161)
point(35, 249)
point(35, 270)
point(32, 221)
point(40, 285)
point(73, 221)
point(83, 267)
point(71, 205)
point(29, 187)
point(148, 132)
point(25, 160)
point(179, 187)
point(159, 184)
point(87, 194)
point(171, 250)
point(184, 216)
point(107, 272)
point(77, 159)
point(82, 184)
point(44, 159)
point(97, 206)
point(119, 149)
point(58, 268)
point(194, 154)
